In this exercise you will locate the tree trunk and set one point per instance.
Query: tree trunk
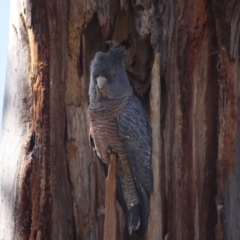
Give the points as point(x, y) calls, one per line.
point(183, 63)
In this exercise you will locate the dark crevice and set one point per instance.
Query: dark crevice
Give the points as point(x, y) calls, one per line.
point(31, 143)
point(212, 109)
point(66, 129)
point(126, 43)
point(163, 109)
point(163, 102)
point(139, 66)
point(92, 32)
point(139, 8)
point(35, 235)
point(80, 64)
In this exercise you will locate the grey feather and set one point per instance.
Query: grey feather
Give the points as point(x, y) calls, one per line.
point(135, 132)
point(118, 121)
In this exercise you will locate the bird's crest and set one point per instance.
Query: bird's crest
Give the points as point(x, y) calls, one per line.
point(117, 50)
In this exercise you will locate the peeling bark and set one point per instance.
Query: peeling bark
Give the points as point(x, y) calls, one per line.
point(51, 184)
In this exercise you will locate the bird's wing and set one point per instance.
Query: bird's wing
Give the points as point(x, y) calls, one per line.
point(135, 132)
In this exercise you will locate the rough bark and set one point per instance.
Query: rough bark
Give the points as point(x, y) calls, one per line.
point(51, 184)
point(34, 115)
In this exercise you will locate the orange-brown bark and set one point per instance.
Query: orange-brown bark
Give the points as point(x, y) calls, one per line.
point(110, 223)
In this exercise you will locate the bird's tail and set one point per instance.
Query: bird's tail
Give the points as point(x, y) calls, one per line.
point(144, 211)
point(133, 218)
point(138, 214)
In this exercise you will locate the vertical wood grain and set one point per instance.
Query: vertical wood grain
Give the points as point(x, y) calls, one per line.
point(155, 224)
point(110, 222)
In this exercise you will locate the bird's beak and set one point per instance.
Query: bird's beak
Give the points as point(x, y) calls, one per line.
point(101, 81)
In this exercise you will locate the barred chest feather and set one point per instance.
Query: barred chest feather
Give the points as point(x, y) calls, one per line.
point(104, 129)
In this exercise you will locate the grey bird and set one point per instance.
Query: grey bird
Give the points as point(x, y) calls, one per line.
point(120, 124)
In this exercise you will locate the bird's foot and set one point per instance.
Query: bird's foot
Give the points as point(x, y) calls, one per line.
point(110, 150)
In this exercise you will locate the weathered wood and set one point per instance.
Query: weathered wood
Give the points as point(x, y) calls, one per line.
point(51, 184)
point(15, 125)
point(228, 75)
point(155, 224)
point(35, 100)
point(110, 222)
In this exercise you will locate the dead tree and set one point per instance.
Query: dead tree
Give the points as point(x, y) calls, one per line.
point(183, 63)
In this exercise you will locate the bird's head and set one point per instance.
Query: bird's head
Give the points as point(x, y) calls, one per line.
point(108, 79)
